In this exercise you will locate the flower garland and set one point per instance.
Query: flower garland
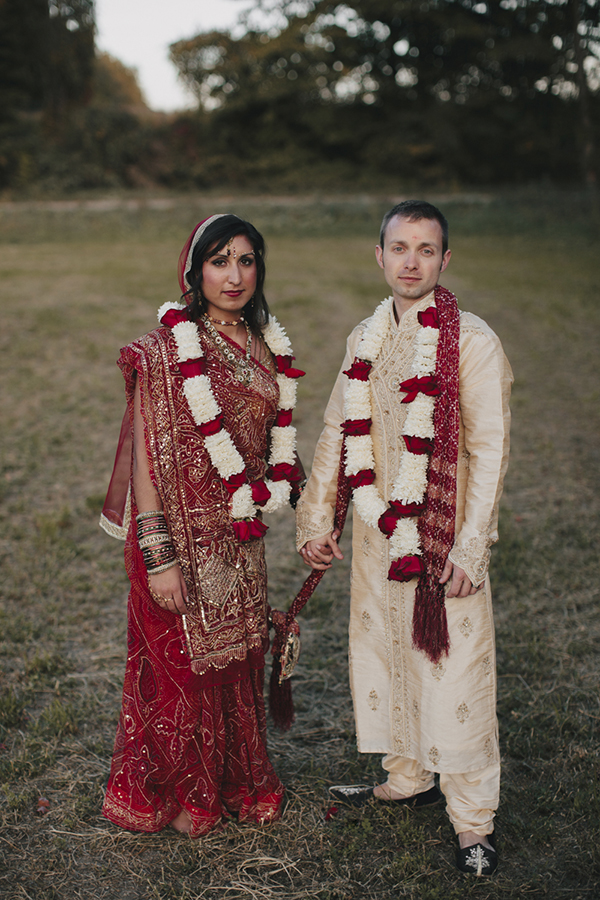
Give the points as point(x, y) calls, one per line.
point(268, 494)
point(398, 519)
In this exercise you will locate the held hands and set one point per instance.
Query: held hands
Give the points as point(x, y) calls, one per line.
point(169, 591)
point(319, 553)
point(460, 584)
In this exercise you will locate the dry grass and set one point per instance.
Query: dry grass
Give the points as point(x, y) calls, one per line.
point(66, 309)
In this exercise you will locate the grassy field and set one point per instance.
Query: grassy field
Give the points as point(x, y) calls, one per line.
point(74, 287)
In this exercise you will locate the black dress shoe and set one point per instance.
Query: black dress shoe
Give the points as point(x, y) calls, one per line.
point(360, 794)
point(477, 859)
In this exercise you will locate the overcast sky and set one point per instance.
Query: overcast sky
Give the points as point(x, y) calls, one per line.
point(138, 32)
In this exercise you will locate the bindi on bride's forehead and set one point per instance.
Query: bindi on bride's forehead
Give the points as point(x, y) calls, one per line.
point(243, 250)
point(231, 251)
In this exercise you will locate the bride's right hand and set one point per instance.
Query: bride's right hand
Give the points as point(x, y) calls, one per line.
point(169, 591)
point(319, 553)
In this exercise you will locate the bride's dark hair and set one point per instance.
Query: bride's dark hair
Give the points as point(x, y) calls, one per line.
point(219, 233)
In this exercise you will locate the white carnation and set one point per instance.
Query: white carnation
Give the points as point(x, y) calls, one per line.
point(276, 339)
point(280, 495)
point(369, 347)
point(427, 335)
point(167, 306)
point(425, 363)
point(411, 483)
point(287, 392)
point(426, 343)
point(368, 503)
point(357, 402)
point(188, 344)
point(405, 539)
point(283, 445)
point(201, 399)
point(419, 421)
point(376, 332)
point(223, 455)
point(359, 454)
point(242, 504)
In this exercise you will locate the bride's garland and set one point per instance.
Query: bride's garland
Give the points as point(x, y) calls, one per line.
point(398, 519)
point(270, 493)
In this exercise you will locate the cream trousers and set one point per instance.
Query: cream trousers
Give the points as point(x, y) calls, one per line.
point(471, 799)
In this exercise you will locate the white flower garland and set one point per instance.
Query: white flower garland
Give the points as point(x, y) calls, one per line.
point(410, 485)
point(204, 407)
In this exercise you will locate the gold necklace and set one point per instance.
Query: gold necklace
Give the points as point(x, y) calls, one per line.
point(224, 321)
point(243, 369)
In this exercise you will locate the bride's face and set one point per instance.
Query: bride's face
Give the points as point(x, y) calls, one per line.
point(229, 278)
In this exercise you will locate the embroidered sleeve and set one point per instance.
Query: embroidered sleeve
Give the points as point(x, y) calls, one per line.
point(485, 380)
point(311, 524)
point(473, 556)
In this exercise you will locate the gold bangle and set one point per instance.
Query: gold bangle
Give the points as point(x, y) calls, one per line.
point(147, 515)
point(163, 568)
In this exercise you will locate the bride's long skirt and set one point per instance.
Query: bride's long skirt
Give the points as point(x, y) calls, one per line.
point(186, 741)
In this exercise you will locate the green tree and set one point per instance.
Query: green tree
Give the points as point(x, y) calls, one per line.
point(46, 70)
point(483, 90)
point(23, 27)
point(46, 55)
point(69, 57)
point(115, 84)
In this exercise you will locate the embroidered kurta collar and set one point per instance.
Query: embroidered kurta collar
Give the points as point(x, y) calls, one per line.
point(410, 315)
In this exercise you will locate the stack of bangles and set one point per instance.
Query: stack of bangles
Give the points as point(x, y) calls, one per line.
point(154, 541)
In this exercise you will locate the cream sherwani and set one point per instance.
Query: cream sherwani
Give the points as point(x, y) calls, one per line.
point(443, 716)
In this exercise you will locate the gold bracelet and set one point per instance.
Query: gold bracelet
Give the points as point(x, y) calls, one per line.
point(147, 515)
point(163, 568)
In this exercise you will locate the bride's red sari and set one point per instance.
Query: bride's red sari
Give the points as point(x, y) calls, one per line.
point(192, 730)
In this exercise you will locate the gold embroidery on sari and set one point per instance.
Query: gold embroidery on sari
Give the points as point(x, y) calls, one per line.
point(226, 580)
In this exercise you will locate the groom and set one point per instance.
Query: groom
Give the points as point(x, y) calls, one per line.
point(419, 419)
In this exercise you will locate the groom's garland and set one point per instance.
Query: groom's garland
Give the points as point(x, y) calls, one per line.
point(398, 519)
point(420, 518)
point(419, 521)
point(270, 493)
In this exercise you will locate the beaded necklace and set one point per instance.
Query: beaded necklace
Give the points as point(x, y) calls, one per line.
point(243, 367)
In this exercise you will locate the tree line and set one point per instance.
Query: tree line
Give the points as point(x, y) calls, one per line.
point(312, 93)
